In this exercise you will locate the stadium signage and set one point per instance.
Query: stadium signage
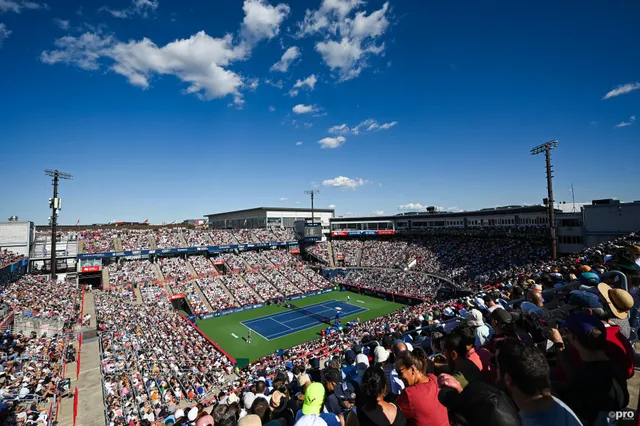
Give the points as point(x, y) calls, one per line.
point(352, 233)
point(13, 271)
point(213, 249)
point(176, 296)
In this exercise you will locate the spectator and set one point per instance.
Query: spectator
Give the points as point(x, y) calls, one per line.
point(419, 401)
point(482, 332)
point(371, 408)
point(603, 378)
point(524, 372)
point(312, 407)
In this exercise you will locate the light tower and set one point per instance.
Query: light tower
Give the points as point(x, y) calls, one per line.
point(312, 193)
point(546, 148)
point(55, 204)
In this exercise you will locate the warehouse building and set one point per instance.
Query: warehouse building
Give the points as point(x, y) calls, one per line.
point(263, 217)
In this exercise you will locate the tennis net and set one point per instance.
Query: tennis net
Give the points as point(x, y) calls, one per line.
point(322, 318)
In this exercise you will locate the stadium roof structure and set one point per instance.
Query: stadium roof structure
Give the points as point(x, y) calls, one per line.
point(273, 209)
point(427, 215)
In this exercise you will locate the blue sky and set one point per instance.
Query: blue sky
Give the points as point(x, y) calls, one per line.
point(169, 110)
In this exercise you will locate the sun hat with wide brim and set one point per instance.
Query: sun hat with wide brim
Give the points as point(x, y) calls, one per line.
point(619, 300)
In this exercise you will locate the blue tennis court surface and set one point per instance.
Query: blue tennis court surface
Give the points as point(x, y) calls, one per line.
point(273, 326)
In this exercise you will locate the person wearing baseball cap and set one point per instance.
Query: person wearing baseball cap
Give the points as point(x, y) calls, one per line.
point(598, 384)
point(312, 407)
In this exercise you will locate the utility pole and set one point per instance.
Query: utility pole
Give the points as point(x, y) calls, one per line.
point(55, 204)
point(312, 192)
point(546, 148)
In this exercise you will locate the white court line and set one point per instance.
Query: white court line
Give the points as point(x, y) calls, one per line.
point(295, 329)
point(360, 301)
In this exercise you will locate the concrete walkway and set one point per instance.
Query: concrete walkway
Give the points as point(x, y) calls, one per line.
point(89, 383)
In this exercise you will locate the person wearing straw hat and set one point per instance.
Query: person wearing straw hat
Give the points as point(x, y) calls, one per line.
point(619, 302)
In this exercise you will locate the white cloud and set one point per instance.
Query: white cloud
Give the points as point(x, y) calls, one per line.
point(411, 206)
point(308, 125)
point(287, 59)
point(626, 123)
point(279, 84)
point(272, 108)
point(4, 33)
point(283, 199)
point(344, 182)
point(332, 206)
point(253, 83)
point(386, 126)
point(304, 109)
point(330, 143)
point(137, 7)
point(368, 125)
point(298, 143)
point(342, 129)
point(307, 83)
point(64, 25)
point(378, 212)
point(201, 61)
point(261, 20)
point(17, 6)
point(622, 90)
point(348, 40)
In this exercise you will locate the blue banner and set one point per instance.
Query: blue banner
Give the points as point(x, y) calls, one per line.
point(11, 273)
point(210, 249)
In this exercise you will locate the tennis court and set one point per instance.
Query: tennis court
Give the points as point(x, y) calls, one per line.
point(273, 326)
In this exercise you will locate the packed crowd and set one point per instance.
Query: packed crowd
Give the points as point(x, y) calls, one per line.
point(217, 297)
point(414, 284)
point(31, 363)
point(202, 265)
point(347, 252)
point(7, 257)
point(153, 359)
point(507, 355)
point(321, 251)
point(130, 272)
point(240, 290)
point(267, 289)
point(135, 239)
point(98, 241)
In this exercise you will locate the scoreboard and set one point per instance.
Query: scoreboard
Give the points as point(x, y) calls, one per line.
point(308, 231)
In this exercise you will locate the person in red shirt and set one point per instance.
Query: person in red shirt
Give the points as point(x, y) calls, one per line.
point(419, 400)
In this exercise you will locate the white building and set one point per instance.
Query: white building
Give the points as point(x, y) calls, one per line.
point(262, 217)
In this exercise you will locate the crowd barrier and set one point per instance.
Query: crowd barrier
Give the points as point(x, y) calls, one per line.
point(185, 250)
point(222, 351)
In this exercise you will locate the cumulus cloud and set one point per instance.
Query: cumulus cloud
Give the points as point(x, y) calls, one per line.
point(348, 40)
point(18, 6)
point(332, 206)
point(261, 20)
point(368, 125)
point(344, 182)
point(287, 59)
point(137, 8)
point(64, 25)
point(330, 143)
point(626, 123)
point(411, 206)
point(4, 33)
point(622, 90)
point(304, 109)
point(378, 212)
point(200, 61)
point(298, 143)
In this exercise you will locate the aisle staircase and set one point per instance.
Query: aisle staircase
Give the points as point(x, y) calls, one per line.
point(152, 242)
point(332, 263)
point(359, 255)
point(192, 270)
point(260, 298)
point(106, 283)
point(80, 246)
point(182, 240)
point(196, 286)
point(225, 289)
point(117, 244)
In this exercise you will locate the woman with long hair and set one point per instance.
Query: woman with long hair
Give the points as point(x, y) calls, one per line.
point(371, 408)
point(419, 400)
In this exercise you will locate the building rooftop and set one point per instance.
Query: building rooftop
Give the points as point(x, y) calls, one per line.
point(274, 209)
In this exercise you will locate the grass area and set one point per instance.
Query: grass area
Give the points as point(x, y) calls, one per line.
point(220, 329)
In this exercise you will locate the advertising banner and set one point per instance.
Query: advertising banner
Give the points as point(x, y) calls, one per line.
point(176, 296)
point(90, 265)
